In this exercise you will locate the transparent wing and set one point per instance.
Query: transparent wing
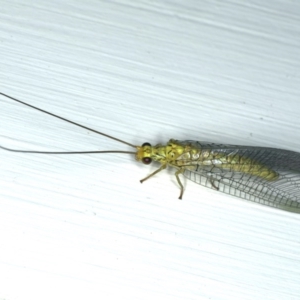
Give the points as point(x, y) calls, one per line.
point(282, 192)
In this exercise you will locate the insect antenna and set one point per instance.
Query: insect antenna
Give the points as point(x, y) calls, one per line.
point(71, 122)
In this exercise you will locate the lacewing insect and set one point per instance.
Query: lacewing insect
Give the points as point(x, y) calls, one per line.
point(267, 176)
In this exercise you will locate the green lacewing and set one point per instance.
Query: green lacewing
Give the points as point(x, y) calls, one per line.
point(267, 176)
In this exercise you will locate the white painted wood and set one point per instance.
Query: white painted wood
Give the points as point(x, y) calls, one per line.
point(83, 227)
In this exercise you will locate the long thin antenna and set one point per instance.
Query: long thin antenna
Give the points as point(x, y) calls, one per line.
point(64, 119)
point(62, 152)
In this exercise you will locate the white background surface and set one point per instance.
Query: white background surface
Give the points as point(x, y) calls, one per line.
point(83, 227)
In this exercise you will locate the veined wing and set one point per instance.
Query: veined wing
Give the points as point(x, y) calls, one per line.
point(243, 172)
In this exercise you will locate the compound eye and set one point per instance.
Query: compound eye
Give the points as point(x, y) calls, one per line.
point(146, 144)
point(146, 160)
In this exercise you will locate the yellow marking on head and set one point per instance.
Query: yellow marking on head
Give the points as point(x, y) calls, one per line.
point(143, 151)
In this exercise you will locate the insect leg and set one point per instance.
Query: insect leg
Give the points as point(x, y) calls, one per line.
point(180, 171)
point(152, 174)
point(213, 184)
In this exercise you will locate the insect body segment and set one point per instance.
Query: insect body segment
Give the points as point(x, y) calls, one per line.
point(207, 154)
point(175, 153)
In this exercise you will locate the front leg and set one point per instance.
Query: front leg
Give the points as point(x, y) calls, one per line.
point(155, 172)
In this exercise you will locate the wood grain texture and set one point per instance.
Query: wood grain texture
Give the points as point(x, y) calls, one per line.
point(83, 227)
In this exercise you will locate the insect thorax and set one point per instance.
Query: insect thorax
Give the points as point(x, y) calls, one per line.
point(174, 153)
